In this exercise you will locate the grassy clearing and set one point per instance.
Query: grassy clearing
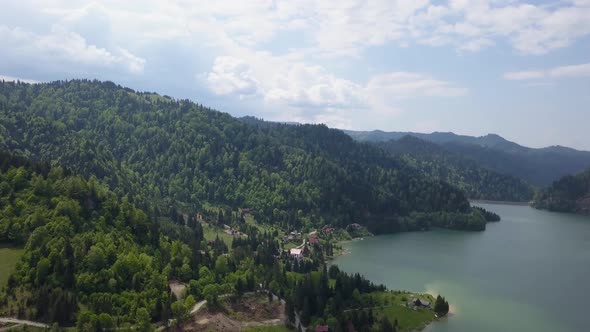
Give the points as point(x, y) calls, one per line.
point(263, 227)
point(408, 319)
point(9, 256)
point(210, 233)
point(291, 245)
point(395, 307)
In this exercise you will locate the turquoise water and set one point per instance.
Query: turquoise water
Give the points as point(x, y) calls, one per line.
point(529, 272)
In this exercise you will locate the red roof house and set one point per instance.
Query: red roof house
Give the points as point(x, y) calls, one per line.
point(313, 239)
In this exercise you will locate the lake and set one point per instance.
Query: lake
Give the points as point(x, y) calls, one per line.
point(528, 272)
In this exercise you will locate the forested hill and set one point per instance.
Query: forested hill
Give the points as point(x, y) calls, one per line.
point(167, 155)
point(569, 194)
point(477, 182)
point(83, 244)
point(539, 167)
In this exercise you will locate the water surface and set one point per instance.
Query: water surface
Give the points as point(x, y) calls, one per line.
point(529, 272)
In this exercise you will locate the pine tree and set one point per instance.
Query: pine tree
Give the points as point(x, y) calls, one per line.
point(441, 307)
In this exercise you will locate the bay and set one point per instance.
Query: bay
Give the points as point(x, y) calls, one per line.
point(528, 272)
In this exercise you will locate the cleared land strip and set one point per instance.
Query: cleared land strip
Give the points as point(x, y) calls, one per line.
point(23, 322)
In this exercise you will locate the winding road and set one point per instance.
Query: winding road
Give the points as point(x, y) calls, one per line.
point(22, 322)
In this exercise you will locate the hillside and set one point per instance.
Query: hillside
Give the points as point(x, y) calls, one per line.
point(167, 155)
point(477, 182)
point(569, 194)
point(83, 245)
point(539, 167)
point(94, 262)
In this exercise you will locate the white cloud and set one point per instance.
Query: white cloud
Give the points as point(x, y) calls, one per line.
point(231, 75)
point(570, 71)
point(277, 50)
point(314, 95)
point(401, 85)
point(302, 85)
point(341, 28)
point(384, 91)
point(14, 79)
point(582, 70)
point(524, 75)
point(476, 45)
point(63, 47)
point(280, 81)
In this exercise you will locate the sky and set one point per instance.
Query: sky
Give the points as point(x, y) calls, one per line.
point(520, 69)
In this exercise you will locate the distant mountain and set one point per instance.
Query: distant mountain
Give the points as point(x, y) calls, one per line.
point(477, 182)
point(571, 193)
point(251, 120)
point(538, 166)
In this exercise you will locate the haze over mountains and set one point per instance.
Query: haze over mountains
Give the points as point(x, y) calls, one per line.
point(539, 167)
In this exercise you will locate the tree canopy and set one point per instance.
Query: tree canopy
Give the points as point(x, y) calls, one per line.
point(163, 153)
point(571, 193)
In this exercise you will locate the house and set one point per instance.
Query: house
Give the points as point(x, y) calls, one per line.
point(313, 239)
point(231, 232)
point(421, 303)
point(296, 253)
point(289, 238)
point(328, 229)
point(322, 328)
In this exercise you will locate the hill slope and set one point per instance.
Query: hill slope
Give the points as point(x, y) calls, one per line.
point(83, 246)
point(168, 155)
point(477, 182)
point(537, 166)
point(569, 194)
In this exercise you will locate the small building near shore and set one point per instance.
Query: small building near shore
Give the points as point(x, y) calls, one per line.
point(296, 253)
point(421, 303)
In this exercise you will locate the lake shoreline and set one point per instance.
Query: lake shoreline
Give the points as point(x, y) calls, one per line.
point(345, 251)
point(482, 273)
point(485, 201)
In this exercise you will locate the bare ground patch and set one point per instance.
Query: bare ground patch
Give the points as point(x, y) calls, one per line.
point(252, 310)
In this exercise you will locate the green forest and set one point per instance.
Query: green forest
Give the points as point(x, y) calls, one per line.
point(571, 193)
point(97, 262)
point(476, 181)
point(168, 154)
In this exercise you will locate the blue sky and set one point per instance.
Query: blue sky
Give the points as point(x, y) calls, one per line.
point(519, 69)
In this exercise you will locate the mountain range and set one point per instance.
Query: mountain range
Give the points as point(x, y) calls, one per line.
point(539, 167)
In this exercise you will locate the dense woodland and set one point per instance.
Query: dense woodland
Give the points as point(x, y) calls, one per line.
point(83, 246)
point(476, 181)
point(175, 154)
point(569, 194)
point(97, 262)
